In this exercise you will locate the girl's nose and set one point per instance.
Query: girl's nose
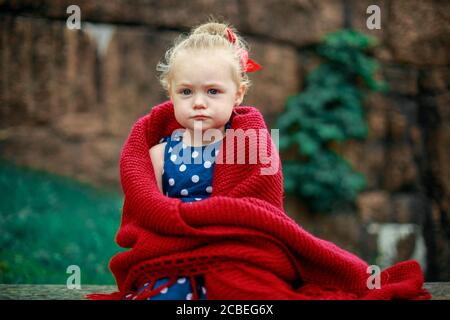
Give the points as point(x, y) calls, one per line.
point(199, 102)
point(199, 106)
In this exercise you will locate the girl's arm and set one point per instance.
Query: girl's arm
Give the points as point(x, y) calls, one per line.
point(157, 157)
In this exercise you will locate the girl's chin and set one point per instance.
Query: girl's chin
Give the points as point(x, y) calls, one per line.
point(201, 121)
point(203, 125)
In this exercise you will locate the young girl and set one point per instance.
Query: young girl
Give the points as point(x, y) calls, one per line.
point(205, 75)
point(199, 228)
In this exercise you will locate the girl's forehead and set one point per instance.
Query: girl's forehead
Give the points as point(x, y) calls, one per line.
point(201, 66)
point(217, 53)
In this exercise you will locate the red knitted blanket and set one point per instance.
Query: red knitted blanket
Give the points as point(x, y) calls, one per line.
point(240, 238)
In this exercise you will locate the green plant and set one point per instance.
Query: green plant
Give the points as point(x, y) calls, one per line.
point(328, 112)
point(48, 223)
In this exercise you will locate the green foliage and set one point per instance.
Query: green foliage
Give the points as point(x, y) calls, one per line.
point(329, 111)
point(48, 223)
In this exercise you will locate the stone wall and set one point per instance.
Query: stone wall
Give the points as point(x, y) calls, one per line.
point(68, 99)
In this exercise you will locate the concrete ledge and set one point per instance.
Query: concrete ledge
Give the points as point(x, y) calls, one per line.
point(439, 291)
point(49, 291)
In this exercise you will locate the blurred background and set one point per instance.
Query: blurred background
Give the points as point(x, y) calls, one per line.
point(364, 119)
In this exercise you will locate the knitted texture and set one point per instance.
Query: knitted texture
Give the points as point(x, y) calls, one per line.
point(240, 238)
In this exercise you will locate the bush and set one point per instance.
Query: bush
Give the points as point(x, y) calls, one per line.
point(49, 223)
point(327, 112)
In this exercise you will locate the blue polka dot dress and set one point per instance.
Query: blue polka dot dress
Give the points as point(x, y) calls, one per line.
point(188, 170)
point(181, 289)
point(187, 174)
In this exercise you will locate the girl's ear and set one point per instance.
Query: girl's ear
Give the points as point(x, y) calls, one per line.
point(240, 94)
point(169, 93)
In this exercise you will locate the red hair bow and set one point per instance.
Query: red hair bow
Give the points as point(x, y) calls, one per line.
point(248, 64)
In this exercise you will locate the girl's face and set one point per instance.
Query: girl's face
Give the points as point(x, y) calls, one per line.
point(202, 84)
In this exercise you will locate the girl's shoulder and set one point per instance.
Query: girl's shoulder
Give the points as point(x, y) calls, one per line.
point(157, 151)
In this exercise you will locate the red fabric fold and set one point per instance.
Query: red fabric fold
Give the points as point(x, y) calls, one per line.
point(240, 238)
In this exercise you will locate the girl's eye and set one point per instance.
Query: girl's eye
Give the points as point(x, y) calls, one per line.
point(186, 91)
point(213, 91)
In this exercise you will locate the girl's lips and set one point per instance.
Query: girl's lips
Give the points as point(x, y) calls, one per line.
point(200, 117)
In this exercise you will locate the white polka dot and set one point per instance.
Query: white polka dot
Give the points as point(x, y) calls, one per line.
point(198, 199)
point(182, 167)
point(217, 152)
point(189, 296)
point(184, 192)
point(204, 290)
point(170, 149)
point(171, 181)
point(164, 290)
point(195, 178)
point(173, 158)
point(184, 146)
point(181, 280)
point(209, 189)
point(195, 154)
point(207, 164)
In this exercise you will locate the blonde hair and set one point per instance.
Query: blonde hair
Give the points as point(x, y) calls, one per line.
point(209, 35)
